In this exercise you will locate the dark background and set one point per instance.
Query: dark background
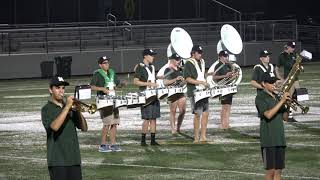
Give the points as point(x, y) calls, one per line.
point(63, 11)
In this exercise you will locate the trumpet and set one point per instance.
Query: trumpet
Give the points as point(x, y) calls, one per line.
point(293, 103)
point(90, 108)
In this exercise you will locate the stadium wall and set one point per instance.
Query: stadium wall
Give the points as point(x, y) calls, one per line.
point(122, 60)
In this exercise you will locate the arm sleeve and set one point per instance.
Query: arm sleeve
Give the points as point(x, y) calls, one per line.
point(280, 61)
point(261, 105)
point(187, 70)
point(45, 120)
point(137, 73)
point(94, 80)
point(255, 74)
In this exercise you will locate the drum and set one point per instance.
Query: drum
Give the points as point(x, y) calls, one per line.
point(175, 90)
point(216, 91)
point(150, 95)
point(201, 94)
point(135, 100)
point(120, 101)
point(162, 93)
point(229, 89)
point(104, 101)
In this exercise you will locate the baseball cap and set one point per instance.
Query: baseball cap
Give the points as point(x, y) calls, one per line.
point(175, 56)
point(223, 53)
point(58, 81)
point(268, 79)
point(148, 52)
point(291, 44)
point(197, 48)
point(264, 53)
point(102, 59)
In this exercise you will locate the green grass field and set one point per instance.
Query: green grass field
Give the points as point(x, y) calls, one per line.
point(230, 154)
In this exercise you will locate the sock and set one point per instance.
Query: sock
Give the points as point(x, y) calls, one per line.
point(143, 137)
point(153, 137)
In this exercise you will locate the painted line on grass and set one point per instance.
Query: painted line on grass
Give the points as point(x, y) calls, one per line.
point(162, 167)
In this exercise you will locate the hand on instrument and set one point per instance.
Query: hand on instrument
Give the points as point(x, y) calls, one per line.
point(285, 97)
point(180, 78)
point(229, 74)
point(205, 83)
point(106, 91)
point(152, 85)
point(69, 102)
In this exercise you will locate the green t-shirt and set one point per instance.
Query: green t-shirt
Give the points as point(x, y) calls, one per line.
point(190, 71)
point(258, 73)
point(99, 81)
point(62, 146)
point(172, 73)
point(271, 130)
point(222, 71)
point(142, 74)
point(286, 60)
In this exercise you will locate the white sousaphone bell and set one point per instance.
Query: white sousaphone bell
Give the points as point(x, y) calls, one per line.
point(181, 43)
point(232, 42)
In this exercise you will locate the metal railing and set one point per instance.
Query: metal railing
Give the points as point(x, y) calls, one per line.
point(96, 37)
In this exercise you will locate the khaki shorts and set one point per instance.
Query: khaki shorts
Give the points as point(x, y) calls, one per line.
point(109, 116)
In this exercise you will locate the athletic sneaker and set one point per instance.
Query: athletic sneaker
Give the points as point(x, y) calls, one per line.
point(104, 148)
point(115, 148)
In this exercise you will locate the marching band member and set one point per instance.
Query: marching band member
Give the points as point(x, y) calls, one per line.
point(174, 76)
point(145, 78)
point(260, 69)
point(272, 139)
point(220, 73)
point(104, 81)
point(194, 72)
point(60, 123)
point(287, 59)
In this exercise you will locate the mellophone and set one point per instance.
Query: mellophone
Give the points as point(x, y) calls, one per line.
point(137, 99)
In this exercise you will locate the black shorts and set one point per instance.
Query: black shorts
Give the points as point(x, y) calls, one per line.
point(199, 107)
point(151, 111)
point(273, 157)
point(227, 99)
point(65, 172)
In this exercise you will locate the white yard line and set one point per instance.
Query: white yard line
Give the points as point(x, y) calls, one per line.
point(160, 167)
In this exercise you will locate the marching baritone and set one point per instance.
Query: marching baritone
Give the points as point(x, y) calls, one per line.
point(60, 122)
point(223, 70)
point(174, 76)
point(104, 81)
point(286, 60)
point(145, 78)
point(272, 137)
point(194, 72)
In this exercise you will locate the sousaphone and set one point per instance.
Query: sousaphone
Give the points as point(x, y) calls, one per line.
point(232, 42)
point(181, 43)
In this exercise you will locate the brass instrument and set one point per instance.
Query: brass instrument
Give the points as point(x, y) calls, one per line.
point(293, 74)
point(236, 70)
point(90, 108)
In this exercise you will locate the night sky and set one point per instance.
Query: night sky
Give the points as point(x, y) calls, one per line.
point(58, 11)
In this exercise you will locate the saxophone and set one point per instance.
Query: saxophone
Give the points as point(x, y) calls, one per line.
point(293, 74)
